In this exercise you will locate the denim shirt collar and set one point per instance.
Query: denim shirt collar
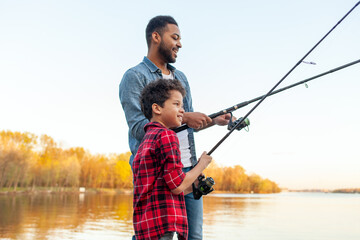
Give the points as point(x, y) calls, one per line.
point(153, 68)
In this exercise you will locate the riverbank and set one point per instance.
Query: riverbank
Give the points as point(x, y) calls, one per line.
point(343, 190)
point(53, 190)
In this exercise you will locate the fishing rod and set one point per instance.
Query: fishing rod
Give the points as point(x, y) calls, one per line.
point(280, 81)
point(243, 104)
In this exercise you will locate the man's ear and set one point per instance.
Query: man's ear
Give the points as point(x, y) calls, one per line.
point(156, 109)
point(156, 37)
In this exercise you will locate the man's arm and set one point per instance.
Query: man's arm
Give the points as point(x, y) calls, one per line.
point(130, 89)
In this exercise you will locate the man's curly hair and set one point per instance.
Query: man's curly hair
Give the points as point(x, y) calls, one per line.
point(158, 92)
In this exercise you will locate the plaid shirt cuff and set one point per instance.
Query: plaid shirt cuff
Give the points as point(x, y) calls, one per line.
point(174, 178)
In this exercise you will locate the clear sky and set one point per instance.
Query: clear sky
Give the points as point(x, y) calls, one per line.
point(61, 63)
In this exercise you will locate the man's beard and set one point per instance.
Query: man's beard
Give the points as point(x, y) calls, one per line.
point(166, 53)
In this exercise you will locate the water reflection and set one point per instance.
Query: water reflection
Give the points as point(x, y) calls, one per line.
point(40, 216)
point(72, 216)
point(225, 214)
point(218, 206)
point(96, 216)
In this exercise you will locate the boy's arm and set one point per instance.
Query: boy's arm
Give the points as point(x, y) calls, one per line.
point(192, 175)
point(174, 177)
point(188, 190)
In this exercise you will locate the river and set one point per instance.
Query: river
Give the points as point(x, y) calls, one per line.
point(284, 216)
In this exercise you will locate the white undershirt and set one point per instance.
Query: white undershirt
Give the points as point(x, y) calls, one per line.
point(183, 137)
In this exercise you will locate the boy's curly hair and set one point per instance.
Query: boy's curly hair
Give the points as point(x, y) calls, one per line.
point(158, 92)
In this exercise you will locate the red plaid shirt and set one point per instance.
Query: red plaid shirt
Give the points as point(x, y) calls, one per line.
point(157, 169)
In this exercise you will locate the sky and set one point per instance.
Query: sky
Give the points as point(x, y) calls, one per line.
point(61, 63)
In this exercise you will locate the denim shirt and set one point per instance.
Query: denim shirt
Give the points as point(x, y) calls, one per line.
point(131, 85)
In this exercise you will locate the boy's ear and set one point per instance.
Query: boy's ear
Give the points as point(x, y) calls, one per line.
point(156, 109)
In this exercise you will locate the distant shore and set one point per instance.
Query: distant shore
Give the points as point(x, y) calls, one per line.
point(343, 190)
point(40, 190)
point(53, 190)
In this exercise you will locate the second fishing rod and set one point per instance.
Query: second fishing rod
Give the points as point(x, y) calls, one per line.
point(280, 81)
point(245, 103)
point(206, 185)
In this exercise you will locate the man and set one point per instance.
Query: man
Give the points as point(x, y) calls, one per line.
point(163, 41)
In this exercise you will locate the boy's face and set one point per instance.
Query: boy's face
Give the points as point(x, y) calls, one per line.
point(172, 112)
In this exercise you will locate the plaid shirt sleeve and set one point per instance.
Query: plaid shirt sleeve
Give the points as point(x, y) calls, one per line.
point(173, 174)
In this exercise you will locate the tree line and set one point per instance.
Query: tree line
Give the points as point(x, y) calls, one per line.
point(235, 179)
point(31, 161)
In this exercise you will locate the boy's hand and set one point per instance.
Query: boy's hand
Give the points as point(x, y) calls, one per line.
point(205, 159)
point(197, 179)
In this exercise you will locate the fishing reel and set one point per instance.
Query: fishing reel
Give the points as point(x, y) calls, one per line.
point(244, 124)
point(204, 187)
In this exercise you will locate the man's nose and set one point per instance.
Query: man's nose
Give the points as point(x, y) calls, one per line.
point(179, 45)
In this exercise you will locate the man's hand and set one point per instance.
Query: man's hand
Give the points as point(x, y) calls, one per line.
point(223, 120)
point(196, 120)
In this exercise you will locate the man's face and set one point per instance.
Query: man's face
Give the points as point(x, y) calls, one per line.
point(170, 43)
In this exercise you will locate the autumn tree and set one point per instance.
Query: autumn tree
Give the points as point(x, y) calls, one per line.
point(27, 160)
point(15, 157)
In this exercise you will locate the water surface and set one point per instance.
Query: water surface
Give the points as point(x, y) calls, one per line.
point(281, 216)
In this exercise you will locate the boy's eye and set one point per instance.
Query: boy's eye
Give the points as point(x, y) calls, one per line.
point(178, 104)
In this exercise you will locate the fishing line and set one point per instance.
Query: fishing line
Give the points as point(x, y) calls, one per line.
point(245, 103)
point(281, 80)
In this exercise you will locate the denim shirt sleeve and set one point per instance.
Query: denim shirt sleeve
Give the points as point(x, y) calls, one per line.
point(129, 92)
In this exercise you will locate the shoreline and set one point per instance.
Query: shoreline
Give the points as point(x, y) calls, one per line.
point(56, 190)
point(30, 191)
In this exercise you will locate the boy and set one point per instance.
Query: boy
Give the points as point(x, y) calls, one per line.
point(159, 182)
